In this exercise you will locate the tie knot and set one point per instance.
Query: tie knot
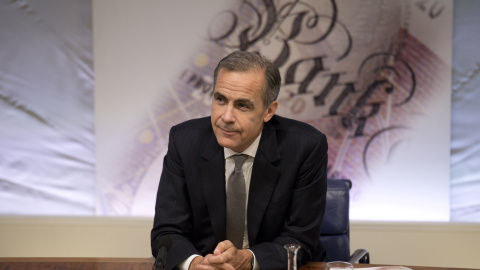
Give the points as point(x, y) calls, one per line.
point(239, 160)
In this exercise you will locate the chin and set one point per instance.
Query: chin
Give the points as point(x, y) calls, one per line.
point(227, 143)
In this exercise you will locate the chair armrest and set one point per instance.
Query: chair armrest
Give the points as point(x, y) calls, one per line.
point(360, 256)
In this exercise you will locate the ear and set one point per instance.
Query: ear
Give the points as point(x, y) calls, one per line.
point(270, 111)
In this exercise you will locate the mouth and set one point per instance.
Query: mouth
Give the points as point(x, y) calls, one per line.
point(227, 132)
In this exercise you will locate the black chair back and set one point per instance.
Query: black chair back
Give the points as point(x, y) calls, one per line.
point(335, 234)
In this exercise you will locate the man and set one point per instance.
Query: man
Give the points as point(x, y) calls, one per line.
point(284, 177)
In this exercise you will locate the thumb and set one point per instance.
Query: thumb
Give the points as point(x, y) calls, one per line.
point(222, 246)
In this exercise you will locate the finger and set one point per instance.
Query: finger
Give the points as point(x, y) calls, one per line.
point(222, 247)
point(217, 259)
point(206, 259)
point(204, 264)
point(223, 266)
point(204, 267)
point(212, 262)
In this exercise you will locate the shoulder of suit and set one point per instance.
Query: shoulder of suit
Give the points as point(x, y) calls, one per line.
point(286, 124)
point(192, 133)
point(193, 124)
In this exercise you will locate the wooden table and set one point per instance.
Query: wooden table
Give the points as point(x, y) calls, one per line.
point(128, 263)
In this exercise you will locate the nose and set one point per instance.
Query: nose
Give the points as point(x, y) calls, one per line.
point(229, 114)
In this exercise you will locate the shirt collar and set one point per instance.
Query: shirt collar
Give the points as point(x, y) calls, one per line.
point(250, 151)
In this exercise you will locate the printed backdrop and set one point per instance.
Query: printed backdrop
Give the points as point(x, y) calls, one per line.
point(372, 75)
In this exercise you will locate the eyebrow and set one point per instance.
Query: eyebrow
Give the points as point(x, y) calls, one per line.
point(216, 94)
point(248, 102)
point(241, 100)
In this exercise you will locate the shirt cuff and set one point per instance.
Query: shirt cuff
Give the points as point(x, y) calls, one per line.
point(255, 264)
point(186, 264)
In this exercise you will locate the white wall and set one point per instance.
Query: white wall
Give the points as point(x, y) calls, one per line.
point(424, 244)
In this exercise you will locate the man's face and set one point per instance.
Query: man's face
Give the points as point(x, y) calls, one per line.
point(238, 112)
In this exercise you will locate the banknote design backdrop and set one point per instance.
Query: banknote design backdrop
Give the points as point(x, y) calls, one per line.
point(374, 76)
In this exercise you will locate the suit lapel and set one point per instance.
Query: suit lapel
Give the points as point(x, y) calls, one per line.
point(212, 175)
point(263, 181)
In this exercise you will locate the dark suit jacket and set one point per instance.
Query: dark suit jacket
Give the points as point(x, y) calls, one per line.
point(286, 198)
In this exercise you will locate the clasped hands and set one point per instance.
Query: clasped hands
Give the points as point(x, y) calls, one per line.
point(225, 256)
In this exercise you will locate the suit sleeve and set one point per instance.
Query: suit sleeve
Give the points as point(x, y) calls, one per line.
point(172, 210)
point(305, 212)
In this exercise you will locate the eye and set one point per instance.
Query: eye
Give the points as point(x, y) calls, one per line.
point(220, 99)
point(244, 106)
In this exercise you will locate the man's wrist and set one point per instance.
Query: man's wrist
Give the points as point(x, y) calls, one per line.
point(253, 262)
point(196, 260)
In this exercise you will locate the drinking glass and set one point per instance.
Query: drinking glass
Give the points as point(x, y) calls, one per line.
point(339, 266)
point(292, 250)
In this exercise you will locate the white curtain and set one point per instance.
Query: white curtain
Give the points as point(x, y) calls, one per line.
point(465, 153)
point(46, 108)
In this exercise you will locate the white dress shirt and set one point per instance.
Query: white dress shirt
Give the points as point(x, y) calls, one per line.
point(247, 173)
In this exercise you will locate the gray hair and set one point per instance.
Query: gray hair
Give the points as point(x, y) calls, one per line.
point(246, 61)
